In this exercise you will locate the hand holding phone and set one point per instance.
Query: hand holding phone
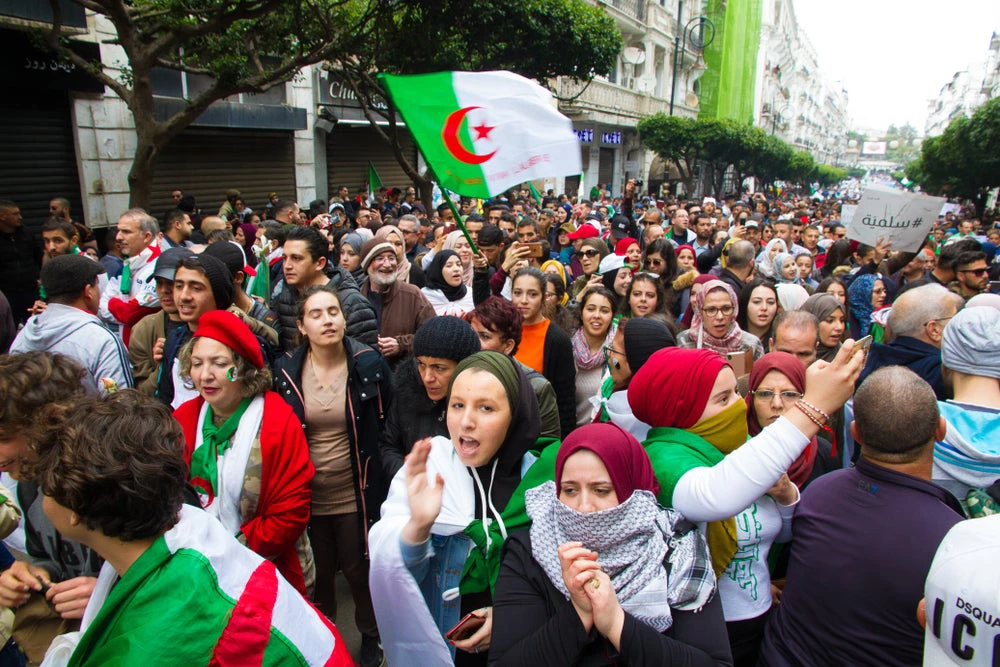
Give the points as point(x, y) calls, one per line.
point(465, 627)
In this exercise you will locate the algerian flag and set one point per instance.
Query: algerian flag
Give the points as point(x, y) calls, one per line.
point(260, 284)
point(535, 193)
point(197, 597)
point(374, 182)
point(484, 132)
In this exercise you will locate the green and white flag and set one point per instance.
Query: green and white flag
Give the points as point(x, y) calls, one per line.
point(197, 597)
point(484, 132)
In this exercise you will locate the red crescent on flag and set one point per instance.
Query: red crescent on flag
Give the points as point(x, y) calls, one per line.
point(454, 145)
point(204, 490)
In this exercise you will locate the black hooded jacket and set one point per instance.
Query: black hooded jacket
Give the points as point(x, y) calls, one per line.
point(412, 416)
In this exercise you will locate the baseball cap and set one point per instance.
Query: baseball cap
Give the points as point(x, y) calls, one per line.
point(586, 231)
point(166, 263)
point(610, 263)
point(566, 227)
point(962, 596)
point(69, 274)
point(751, 223)
point(232, 255)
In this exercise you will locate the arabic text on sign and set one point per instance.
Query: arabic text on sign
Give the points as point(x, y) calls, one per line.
point(611, 138)
point(586, 135)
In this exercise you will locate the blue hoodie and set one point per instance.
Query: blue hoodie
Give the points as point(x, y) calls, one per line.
point(922, 358)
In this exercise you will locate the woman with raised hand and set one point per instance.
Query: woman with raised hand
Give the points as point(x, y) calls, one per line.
point(435, 553)
point(714, 326)
point(605, 575)
point(710, 472)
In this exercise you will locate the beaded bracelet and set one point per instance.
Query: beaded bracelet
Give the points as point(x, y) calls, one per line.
point(826, 416)
point(813, 419)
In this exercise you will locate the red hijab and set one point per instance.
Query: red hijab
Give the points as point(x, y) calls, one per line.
point(673, 387)
point(789, 366)
point(622, 246)
point(623, 456)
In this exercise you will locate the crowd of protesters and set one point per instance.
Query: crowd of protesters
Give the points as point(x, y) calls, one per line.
point(607, 431)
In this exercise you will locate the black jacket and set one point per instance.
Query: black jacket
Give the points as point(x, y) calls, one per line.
point(533, 624)
point(559, 368)
point(369, 398)
point(361, 323)
point(412, 416)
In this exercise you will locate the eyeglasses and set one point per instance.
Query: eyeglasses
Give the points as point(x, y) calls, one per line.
point(979, 273)
point(713, 311)
point(588, 253)
point(550, 295)
point(768, 395)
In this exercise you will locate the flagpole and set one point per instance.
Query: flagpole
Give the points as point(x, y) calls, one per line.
point(458, 219)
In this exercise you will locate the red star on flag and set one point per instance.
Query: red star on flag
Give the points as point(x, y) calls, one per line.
point(483, 131)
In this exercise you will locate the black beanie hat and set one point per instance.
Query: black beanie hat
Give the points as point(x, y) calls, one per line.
point(219, 278)
point(643, 337)
point(445, 337)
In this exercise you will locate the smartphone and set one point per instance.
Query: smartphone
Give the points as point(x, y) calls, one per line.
point(534, 250)
point(863, 344)
point(466, 627)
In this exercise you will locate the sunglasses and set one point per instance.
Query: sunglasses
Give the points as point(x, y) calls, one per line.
point(588, 253)
point(979, 273)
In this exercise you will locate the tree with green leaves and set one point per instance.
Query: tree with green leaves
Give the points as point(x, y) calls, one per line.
point(674, 138)
point(964, 161)
point(243, 46)
point(538, 39)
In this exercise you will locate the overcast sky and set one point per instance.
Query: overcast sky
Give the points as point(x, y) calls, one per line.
point(894, 55)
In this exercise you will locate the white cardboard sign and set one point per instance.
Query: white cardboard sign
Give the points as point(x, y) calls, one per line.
point(903, 218)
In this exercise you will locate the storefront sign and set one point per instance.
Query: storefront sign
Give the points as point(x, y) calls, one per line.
point(614, 138)
point(586, 135)
point(32, 67)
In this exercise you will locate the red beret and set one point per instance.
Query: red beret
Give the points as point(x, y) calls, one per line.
point(673, 387)
point(228, 329)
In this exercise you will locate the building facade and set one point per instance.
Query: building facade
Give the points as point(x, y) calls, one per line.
point(795, 101)
point(966, 91)
point(605, 112)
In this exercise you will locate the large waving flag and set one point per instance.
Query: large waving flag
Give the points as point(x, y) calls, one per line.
point(484, 132)
point(197, 597)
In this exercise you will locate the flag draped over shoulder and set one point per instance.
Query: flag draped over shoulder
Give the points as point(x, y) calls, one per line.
point(484, 132)
point(198, 597)
point(260, 284)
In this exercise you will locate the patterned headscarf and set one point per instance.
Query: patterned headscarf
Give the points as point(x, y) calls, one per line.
point(634, 538)
point(402, 264)
point(732, 340)
point(859, 299)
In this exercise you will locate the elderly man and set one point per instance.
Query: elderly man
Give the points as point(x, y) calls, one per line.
point(400, 307)
point(918, 321)
point(132, 296)
point(797, 333)
point(863, 538)
point(966, 460)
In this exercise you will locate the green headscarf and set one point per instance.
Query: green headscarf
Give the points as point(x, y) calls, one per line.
point(499, 366)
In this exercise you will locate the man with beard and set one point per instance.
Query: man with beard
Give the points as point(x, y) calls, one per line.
point(400, 308)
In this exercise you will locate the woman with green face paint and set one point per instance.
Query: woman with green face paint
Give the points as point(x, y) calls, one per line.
point(711, 473)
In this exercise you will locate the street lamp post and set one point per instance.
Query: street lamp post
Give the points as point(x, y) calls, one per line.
point(700, 31)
